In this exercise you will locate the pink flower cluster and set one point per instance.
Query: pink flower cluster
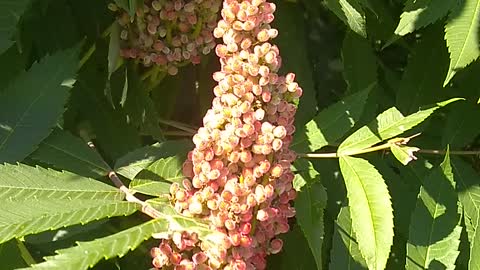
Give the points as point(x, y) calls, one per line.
point(168, 33)
point(239, 177)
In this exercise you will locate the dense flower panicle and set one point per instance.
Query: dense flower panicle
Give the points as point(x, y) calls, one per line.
point(168, 33)
point(239, 177)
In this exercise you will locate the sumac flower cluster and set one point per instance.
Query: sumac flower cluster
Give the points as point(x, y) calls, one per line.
point(238, 175)
point(168, 33)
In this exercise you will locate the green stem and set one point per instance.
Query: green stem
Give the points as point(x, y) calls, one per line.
point(385, 147)
point(27, 257)
point(178, 125)
point(86, 56)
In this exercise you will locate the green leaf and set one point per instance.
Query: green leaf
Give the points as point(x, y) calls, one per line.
point(22, 182)
point(10, 13)
point(294, 247)
point(462, 35)
point(10, 256)
point(468, 189)
point(351, 13)
point(404, 153)
point(388, 124)
point(157, 178)
point(292, 27)
point(114, 134)
point(422, 79)
point(22, 217)
point(420, 13)
point(434, 228)
point(310, 204)
point(132, 163)
point(65, 151)
point(114, 48)
point(359, 63)
point(331, 123)
point(345, 253)
point(459, 130)
point(86, 254)
point(32, 104)
point(371, 210)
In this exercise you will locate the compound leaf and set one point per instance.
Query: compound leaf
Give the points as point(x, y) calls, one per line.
point(22, 217)
point(31, 105)
point(22, 182)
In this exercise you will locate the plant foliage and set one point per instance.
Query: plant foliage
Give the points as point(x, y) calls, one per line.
point(387, 172)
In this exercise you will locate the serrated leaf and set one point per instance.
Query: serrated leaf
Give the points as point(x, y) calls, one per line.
point(462, 35)
point(404, 153)
point(351, 13)
point(459, 130)
point(422, 79)
point(420, 13)
point(468, 189)
point(114, 134)
point(22, 182)
point(435, 225)
point(359, 63)
point(388, 124)
point(310, 205)
point(86, 254)
point(132, 163)
point(65, 151)
point(345, 253)
point(331, 123)
point(31, 105)
point(157, 178)
point(371, 210)
point(10, 13)
point(292, 27)
point(22, 217)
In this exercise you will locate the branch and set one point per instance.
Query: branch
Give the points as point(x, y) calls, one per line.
point(129, 196)
point(386, 147)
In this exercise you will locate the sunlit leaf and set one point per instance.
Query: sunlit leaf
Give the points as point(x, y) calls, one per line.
point(468, 189)
point(371, 210)
point(435, 225)
point(388, 124)
point(462, 35)
point(331, 123)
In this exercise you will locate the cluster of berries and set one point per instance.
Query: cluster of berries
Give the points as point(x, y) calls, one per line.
point(239, 177)
point(168, 33)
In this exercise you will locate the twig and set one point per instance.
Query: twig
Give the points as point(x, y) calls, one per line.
point(351, 153)
point(452, 152)
point(386, 147)
point(26, 256)
point(177, 133)
point(129, 196)
point(178, 125)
